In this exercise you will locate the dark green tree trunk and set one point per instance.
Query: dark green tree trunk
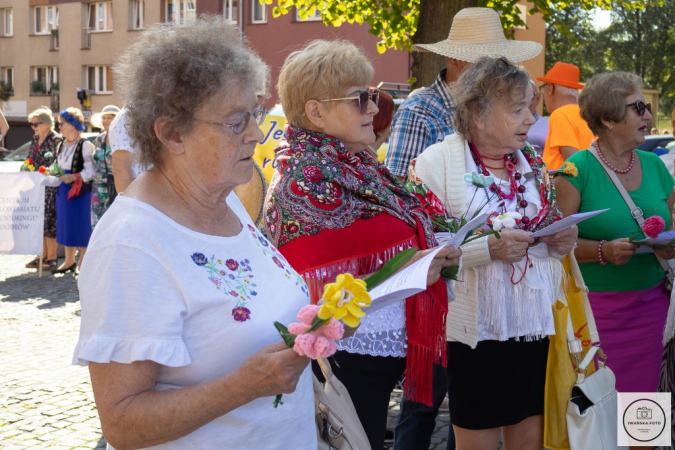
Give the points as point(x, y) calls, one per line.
point(433, 26)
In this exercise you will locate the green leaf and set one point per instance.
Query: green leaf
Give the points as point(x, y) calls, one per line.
point(391, 267)
point(450, 273)
point(287, 336)
point(317, 322)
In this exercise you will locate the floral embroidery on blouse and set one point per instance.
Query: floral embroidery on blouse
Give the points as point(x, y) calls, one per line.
point(233, 278)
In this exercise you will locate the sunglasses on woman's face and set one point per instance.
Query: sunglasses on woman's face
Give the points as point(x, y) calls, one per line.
point(363, 98)
point(35, 124)
point(641, 107)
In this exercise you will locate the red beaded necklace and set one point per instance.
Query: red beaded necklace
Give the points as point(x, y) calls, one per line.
point(516, 179)
point(626, 170)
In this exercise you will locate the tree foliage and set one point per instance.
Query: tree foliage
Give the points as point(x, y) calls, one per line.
point(638, 40)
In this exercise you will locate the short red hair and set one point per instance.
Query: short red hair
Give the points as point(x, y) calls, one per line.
point(385, 114)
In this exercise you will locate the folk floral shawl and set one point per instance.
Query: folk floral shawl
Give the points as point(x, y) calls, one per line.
point(319, 189)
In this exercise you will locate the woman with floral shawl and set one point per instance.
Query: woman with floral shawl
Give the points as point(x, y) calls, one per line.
point(332, 208)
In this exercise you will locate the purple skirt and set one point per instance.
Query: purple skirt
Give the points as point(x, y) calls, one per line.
point(631, 325)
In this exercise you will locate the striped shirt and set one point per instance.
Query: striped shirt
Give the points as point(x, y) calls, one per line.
point(423, 119)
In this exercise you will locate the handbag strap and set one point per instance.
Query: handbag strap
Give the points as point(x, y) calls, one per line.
point(635, 210)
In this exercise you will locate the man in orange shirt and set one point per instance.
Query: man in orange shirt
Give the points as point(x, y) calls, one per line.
point(568, 132)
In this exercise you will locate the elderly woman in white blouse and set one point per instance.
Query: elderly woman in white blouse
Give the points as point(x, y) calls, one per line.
point(179, 289)
point(498, 325)
point(73, 201)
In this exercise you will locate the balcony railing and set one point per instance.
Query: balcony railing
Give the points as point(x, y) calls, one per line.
point(86, 39)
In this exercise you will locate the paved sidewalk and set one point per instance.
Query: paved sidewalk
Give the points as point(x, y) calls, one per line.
point(44, 401)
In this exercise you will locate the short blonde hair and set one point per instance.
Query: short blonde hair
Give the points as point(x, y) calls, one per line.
point(604, 98)
point(44, 114)
point(486, 80)
point(319, 71)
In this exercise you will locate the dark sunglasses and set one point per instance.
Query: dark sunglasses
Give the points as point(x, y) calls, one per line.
point(35, 124)
point(641, 107)
point(241, 122)
point(61, 123)
point(363, 97)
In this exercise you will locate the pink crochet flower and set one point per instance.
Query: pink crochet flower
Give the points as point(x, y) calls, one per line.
point(653, 226)
point(320, 342)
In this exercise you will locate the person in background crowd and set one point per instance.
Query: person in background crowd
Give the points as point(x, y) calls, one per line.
point(665, 131)
point(43, 152)
point(539, 131)
point(329, 193)
point(382, 122)
point(425, 119)
point(176, 360)
point(567, 131)
point(627, 289)
point(73, 202)
point(669, 157)
point(653, 131)
point(4, 127)
point(502, 315)
point(102, 163)
point(125, 168)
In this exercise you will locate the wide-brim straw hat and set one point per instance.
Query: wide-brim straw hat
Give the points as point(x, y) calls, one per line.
point(477, 32)
point(96, 119)
point(252, 194)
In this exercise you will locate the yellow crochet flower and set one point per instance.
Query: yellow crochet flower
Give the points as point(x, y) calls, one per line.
point(570, 169)
point(344, 300)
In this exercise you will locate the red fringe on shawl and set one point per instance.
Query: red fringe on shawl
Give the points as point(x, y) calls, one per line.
point(425, 312)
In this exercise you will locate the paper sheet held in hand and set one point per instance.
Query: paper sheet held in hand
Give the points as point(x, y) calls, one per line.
point(561, 225)
point(403, 284)
point(661, 239)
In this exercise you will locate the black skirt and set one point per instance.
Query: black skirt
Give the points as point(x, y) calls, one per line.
point(496, 384)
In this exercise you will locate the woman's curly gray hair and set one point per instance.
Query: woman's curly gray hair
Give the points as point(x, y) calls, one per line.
point(170, 71)
point(484, 81)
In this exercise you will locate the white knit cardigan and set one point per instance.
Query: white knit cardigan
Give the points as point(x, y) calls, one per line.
point(442, 167)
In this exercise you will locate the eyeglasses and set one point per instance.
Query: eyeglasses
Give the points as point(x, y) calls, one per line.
point(61, 123)
point(35, 124)
point(363, 98)
point(241, 122)
point(641, 107)
point(541, 88)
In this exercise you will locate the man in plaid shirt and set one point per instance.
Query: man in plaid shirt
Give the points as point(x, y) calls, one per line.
point(424, 119)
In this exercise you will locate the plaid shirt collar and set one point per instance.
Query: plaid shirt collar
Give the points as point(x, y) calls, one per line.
point(441, 87)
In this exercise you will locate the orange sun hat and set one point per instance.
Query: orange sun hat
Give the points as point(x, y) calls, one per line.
point(563, 74)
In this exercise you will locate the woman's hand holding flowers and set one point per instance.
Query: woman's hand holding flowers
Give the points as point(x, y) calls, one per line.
point(563, 242)
point(511, 246)
point(618, 251)
point(273, 369)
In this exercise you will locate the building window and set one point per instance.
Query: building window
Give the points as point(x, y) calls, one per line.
point(44, 80)
point(230, 10)
point(7, 17)
point(259, 12)
point(180, 11)
point(310, 17)
point(98, 79)
point(7, 74)
point(100, 16)
point(45, 19)
point(136, 14)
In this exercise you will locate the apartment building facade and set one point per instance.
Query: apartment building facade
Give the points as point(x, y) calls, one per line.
point(56, 52)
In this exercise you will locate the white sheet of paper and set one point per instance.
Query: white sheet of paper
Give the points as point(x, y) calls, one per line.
point(567, 222)
point(407, 282)
point(661, 239)
point(474, 223)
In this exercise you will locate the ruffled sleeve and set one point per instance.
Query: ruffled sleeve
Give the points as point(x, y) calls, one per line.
point(132, 309)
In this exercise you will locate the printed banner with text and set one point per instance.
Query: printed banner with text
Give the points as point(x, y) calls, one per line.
point(22, 202)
